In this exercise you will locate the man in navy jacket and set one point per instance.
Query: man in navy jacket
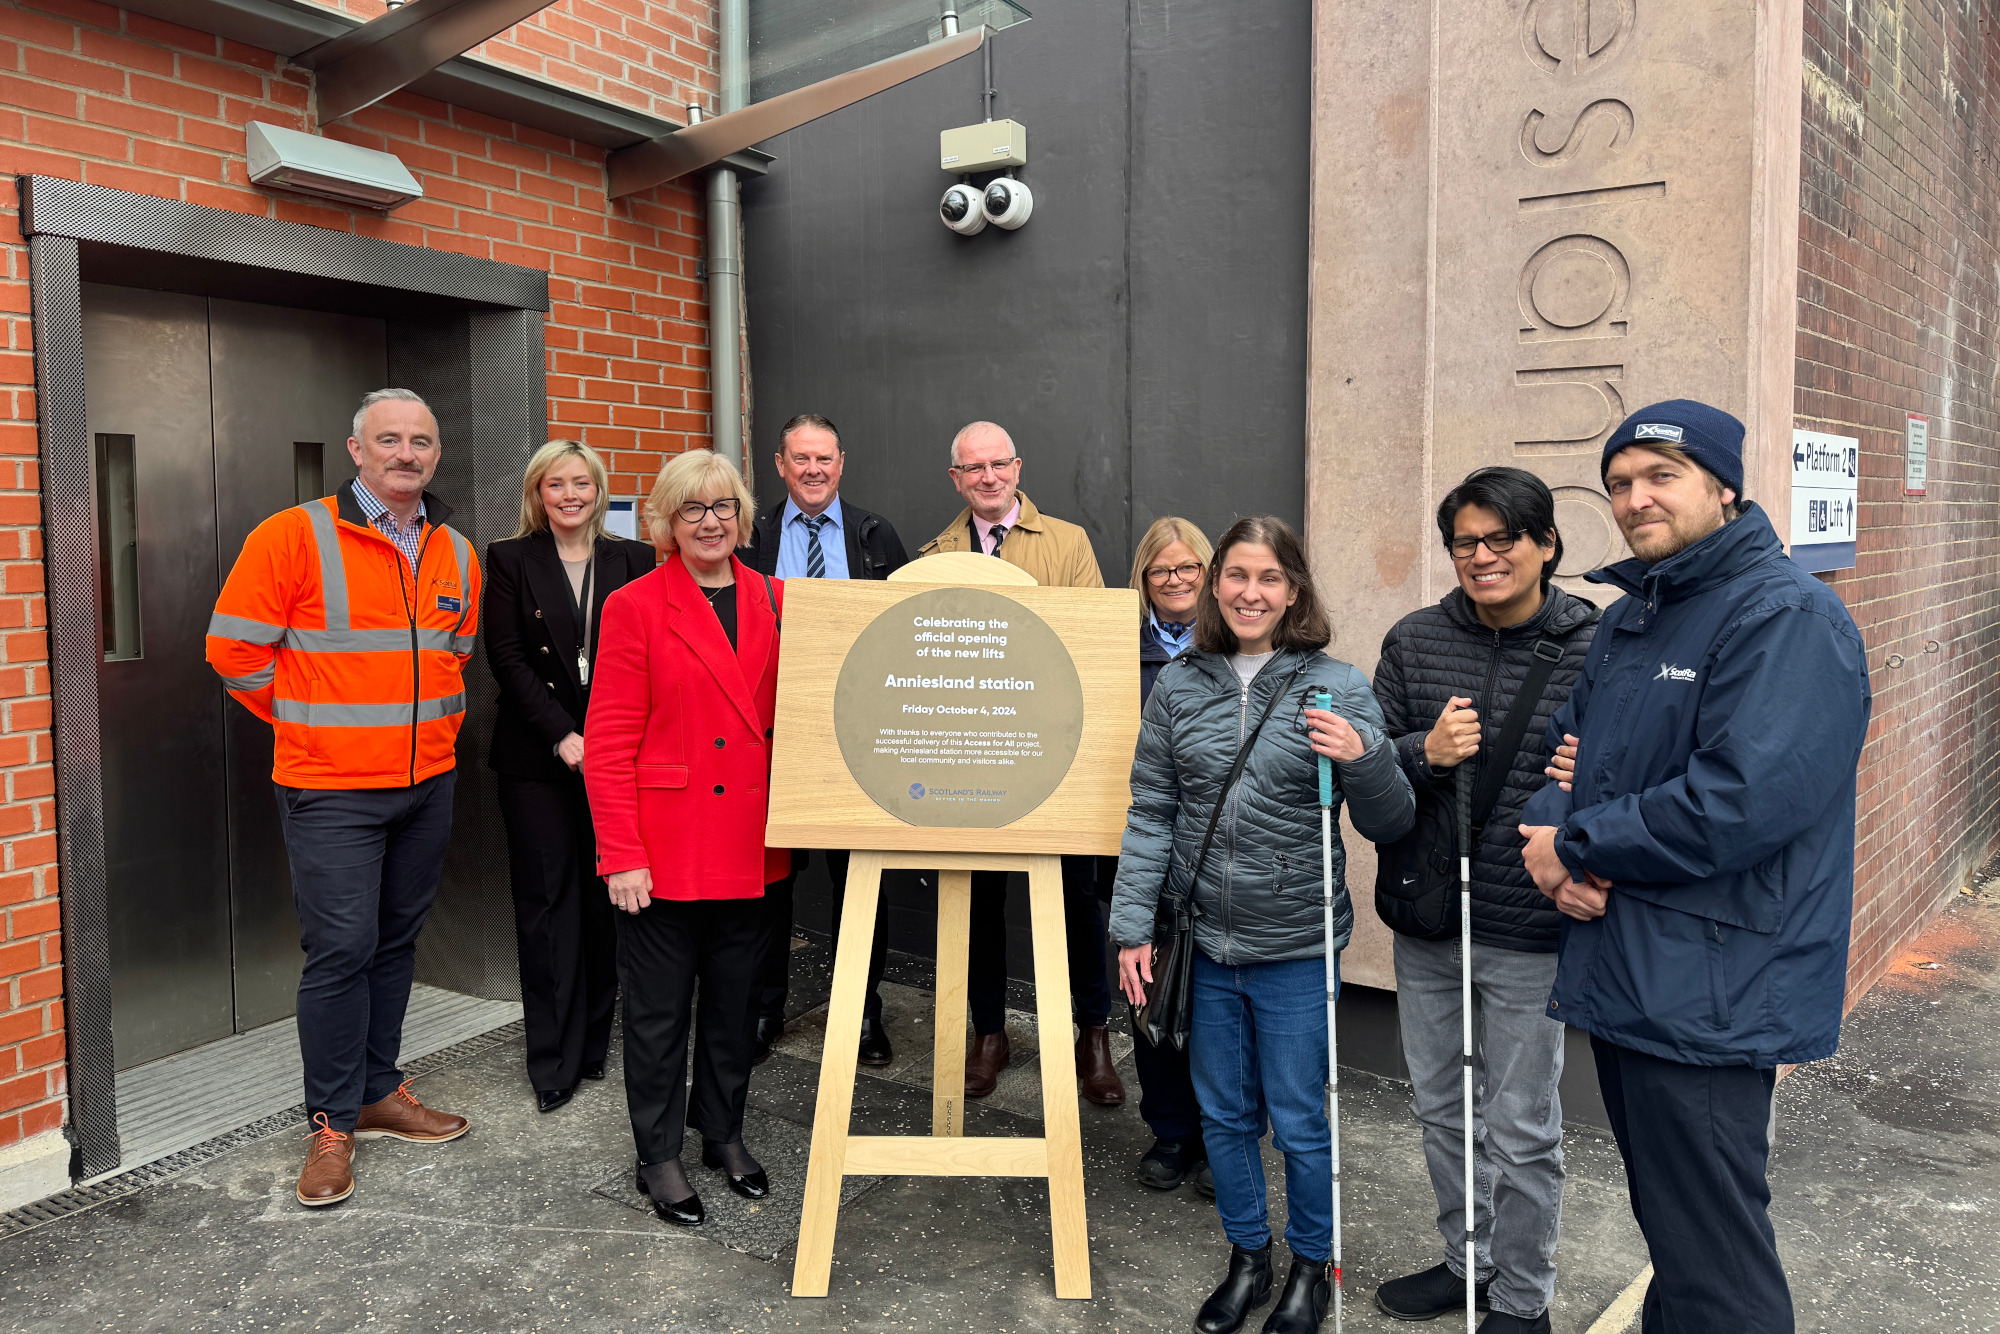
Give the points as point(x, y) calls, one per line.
point(1704, 852)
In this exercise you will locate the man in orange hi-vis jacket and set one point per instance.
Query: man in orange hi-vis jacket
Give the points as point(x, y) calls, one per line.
point(346, 624)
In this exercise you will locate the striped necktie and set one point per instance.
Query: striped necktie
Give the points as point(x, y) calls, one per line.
point(815, 558)
point(999, 531)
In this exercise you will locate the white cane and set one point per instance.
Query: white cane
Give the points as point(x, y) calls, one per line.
point(1465, 1013)
point(1323, 700)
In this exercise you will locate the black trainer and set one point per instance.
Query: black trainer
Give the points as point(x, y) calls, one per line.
point(1169, 1162)
point(1426, 1296)
point(1308, 1292)
point(1247, 1287)
point(1502, 1323)
point(1203, 1178)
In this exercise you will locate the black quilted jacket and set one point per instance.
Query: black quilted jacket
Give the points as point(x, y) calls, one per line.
point(1437, 652)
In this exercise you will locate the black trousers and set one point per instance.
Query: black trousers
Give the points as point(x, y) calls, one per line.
point(775, 974)
point(663, 951)
point(1695, 1139)
point(1083, 923)
point(563, 926)
point(365, 865)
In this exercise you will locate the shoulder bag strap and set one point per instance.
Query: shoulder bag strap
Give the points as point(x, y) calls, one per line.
point(1235, 772)
point(771, 600)
point(1500, 760)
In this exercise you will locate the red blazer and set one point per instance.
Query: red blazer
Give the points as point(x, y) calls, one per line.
point(677, 744)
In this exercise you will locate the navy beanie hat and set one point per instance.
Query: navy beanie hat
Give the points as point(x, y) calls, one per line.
point(1709, 436)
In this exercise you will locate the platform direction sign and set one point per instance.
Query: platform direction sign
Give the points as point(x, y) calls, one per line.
point(1826, 473)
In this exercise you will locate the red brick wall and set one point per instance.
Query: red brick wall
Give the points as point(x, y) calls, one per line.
point(93, 93)
point(1899, 293)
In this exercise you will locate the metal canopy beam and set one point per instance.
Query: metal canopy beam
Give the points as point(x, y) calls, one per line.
point(358, 69)
point(643, 166)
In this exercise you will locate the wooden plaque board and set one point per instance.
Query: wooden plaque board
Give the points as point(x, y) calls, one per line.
point(815, 800)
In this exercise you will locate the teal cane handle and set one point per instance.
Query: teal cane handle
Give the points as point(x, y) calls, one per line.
point(1322, 700)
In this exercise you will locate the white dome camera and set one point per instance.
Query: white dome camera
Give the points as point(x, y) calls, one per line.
point(961, 211)
point(1008, 203)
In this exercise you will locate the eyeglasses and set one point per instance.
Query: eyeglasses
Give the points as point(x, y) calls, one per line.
point(693, 511)
point(981, 469)
point(1161, 574)
point(1499, 544)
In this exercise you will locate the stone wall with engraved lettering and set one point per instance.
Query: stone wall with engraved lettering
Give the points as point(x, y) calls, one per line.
point(1530, 218)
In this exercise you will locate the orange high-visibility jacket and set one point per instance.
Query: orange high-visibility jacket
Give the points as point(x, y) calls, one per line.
point(359, 668)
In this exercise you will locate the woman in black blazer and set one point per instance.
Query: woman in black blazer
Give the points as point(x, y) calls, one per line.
point(545, 591)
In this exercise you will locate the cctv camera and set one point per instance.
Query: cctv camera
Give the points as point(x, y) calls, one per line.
point(1008, 203)
point(960, 210)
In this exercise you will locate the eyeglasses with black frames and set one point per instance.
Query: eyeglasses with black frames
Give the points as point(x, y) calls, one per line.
point(692, 511)
point(1499, 543)
point(1160, 575)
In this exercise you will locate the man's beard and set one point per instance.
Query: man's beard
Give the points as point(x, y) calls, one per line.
point(1681, 533)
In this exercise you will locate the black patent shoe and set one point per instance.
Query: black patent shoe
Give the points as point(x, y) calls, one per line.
point(1301, 1307)
point(547, 1100)
point(593, 1069)
point(755, 1186)
point(681, 1213)
point(875, 1048)
point(1169, 1162)
point(768, 1032)
point(1247, 1287)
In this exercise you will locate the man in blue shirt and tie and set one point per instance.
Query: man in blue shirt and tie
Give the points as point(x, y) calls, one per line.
point(812, 535)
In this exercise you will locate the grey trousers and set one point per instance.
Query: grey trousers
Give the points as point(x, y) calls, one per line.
point(1517, 1060)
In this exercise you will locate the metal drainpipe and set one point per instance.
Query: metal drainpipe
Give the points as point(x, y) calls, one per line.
point(725, 256)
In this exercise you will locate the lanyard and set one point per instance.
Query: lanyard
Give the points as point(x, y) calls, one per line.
point(583, 627)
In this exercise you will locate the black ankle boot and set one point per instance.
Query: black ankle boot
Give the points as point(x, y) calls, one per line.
point(1247, 1287)
point(1308, 1292)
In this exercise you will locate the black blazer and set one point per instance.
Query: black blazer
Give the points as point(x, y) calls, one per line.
point(529, 624)
point(873, 549)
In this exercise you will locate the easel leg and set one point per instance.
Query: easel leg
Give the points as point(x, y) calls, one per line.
point(1068, 1228)
point(948, 1059)
point(813, 1268)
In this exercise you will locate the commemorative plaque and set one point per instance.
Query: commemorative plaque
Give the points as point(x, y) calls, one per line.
point(958, 707)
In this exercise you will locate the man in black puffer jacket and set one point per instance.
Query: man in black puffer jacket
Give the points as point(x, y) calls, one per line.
point(1447, 678)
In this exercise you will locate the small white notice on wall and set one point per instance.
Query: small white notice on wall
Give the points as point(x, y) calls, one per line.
point(1916, 454)
point(1826, 473)
point(620, 520)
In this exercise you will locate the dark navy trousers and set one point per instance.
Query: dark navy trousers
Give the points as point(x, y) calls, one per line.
point(1696, 1144)
point(365, 865)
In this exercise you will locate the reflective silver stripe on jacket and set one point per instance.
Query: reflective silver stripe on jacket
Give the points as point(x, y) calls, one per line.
point(367, 641)
point(332, 570)
point(257, 680)
point(366, 715)
point(244, 630)
point(462, 549)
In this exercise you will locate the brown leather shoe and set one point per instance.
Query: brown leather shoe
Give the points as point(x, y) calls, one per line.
point(1097, 1078)
point(984, 1063)
point(328, 1177)
point(401, 1116)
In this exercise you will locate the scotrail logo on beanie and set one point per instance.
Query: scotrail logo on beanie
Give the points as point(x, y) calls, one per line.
point(1709, 436)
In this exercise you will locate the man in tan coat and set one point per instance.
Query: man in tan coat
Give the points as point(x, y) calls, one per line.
point(999, 520)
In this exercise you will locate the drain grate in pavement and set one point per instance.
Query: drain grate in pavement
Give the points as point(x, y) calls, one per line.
point(764, 1228)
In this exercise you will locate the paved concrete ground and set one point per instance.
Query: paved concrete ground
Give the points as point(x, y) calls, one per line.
point(1886, 1183)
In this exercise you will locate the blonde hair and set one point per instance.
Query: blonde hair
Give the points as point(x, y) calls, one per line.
point(1166, 531)
point(687, 476)
point(534, 514)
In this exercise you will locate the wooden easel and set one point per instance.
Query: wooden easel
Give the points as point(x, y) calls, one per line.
point(815, 802)
point(1058, 1155)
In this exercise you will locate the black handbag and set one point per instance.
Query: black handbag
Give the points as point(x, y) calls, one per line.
point(1163, 1020)
point(1416, 876)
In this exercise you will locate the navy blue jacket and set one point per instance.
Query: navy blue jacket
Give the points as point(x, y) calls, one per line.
point(1153, 655)
point(1720, 720)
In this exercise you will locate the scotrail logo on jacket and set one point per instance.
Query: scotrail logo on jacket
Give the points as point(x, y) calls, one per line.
point(324, 631)
point(1719, 719)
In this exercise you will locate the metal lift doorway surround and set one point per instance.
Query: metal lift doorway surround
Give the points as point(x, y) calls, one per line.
point(1057, 1156)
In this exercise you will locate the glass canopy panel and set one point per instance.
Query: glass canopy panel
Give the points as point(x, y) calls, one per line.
point(797, 42)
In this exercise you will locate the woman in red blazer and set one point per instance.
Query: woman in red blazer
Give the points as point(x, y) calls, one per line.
point(677, 762)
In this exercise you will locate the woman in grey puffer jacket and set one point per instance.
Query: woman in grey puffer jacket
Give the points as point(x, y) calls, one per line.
point(1258, 1044)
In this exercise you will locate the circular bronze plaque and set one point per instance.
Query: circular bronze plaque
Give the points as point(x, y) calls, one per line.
point(958, 708)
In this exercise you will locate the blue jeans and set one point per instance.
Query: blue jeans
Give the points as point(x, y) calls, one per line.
point(1259, 1050)
point(365, 865)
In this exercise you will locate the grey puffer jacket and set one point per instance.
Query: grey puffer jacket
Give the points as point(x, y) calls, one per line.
point(1259, 896)
point(1444, 650)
